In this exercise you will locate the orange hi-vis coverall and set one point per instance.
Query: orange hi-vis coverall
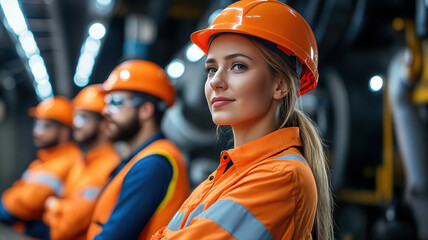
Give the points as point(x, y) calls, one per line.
point(69, 216)
point(43, 178)
point(261, 190)
point(177, 191)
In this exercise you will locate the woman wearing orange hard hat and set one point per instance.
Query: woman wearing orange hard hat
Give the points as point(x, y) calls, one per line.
point(261, 55)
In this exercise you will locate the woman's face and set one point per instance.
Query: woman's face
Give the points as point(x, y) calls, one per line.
point(239, 87)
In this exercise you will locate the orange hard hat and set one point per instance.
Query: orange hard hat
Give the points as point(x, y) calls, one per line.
point(56, 108)
point(275, 22)
point(90, 98)
point(141, 76)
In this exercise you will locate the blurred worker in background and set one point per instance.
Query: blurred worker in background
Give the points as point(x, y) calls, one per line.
point(149, 185)
point(261, 55)
point(68, 217)
point(45, 176)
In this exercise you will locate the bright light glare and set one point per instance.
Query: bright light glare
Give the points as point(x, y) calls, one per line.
point(104, 2)
point(28, 43)
point(175, 69)
point(37, 67)
point(86, 62)
point(97, 31)
point(124, 74)
point(44, 90)
point(80, 81)
point(14, 15)
point(376, 83)
point(91, 46)
point(16, 20)
point(194, 53)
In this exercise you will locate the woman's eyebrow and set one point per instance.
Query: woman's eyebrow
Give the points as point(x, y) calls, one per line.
point(228, 57)
point(235, 55)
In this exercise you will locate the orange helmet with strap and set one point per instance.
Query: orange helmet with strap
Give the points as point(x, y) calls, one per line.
point(141, 76)
point(56, 108)
point(272, 21)
point(90, 98)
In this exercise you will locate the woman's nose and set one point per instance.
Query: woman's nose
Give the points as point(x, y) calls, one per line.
point(218, 81)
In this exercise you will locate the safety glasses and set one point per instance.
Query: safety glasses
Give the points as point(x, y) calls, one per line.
point(42, 125)
point(79, 120)
point(115, 102)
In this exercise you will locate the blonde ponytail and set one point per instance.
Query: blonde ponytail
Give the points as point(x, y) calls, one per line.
point(290, 116)
point(314, 153)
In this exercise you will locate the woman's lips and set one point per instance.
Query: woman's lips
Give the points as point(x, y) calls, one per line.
point(220, 101)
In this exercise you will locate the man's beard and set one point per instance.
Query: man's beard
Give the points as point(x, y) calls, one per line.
point(50, 143)
point(127, 131)
point(90, 138)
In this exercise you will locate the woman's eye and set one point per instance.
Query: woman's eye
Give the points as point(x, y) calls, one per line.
point(239, 67)
point(210, 70)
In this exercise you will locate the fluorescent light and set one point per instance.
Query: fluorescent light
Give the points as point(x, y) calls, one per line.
point(28, 43)
point(89, 51)
point(80, 81)
point(105, 3)
point(44, 90)
point(97, 31)
point(37, 67)
point(16, 20)
point(14, 15)
point(375, 83)
point(86, 61)
point(91, 46)
point(175, 69)
point(194, 53)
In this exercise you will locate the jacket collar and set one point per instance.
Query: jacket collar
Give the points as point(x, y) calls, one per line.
point(99, 152)
point(57, 151)
point(247, 155)
point(156, 137)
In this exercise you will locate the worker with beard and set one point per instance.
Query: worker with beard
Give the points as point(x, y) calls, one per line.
point(68, 217)
point(22, 205)
point(151, 183)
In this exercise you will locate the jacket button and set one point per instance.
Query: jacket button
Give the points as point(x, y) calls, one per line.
point(211, 178)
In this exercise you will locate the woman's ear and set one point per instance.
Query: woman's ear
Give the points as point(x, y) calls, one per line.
point(281, 88)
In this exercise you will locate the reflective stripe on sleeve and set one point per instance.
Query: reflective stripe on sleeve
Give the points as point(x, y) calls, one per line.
point(175, 223)
point(292, 156)
point(236, 219)
point(194, 214)
point(91, 193)
point(44, 178)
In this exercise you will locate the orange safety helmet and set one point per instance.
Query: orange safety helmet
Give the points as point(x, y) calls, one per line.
point(275, 22)
point(56, 108)
point(90, 98)
point(141, 76)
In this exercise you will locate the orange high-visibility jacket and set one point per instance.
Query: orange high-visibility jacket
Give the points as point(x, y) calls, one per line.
point(69, 218)
point(43, 178)
point(178, 190)
point(267, 192)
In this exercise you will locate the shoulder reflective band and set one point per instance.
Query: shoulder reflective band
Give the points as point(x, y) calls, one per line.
point(292, 156)
point(236, 219)
point(194, 214)
point(175, 223)
point(44, 178)
point(91, 193)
